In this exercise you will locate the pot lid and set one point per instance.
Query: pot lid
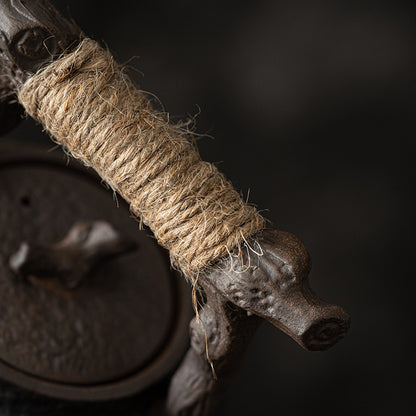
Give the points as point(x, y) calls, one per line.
point(120, 328)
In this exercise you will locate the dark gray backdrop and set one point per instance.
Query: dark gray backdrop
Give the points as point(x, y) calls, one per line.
point(311, 105)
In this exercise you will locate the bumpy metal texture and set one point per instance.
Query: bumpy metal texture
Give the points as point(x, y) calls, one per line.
point(32, 33)
point(268, 280)
point(116, 324)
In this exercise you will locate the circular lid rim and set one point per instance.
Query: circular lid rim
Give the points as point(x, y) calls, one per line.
point(162, 364)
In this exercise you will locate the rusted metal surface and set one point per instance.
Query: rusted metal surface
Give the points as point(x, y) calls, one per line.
point(124, 326)
point(32, 33)
point(237, 297)
point(276, 289)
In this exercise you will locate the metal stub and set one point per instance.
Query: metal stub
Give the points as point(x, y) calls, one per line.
point(120, 330)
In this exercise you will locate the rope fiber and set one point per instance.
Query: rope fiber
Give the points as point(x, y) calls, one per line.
point(91, 107)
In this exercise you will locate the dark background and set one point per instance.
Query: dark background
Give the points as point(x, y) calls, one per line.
point(311, 106)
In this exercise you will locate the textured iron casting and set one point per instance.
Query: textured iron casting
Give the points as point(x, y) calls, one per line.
point(235, 301)
point(31, 33)
point(72, 327)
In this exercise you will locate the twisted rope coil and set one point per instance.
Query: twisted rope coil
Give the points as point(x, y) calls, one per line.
point(88, 105)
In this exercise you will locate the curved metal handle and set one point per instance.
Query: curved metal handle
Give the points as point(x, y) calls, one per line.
point(32, 33)
point(275, 290)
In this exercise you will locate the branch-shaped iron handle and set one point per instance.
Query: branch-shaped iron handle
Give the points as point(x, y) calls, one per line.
point(32, 33)
point(273, 287)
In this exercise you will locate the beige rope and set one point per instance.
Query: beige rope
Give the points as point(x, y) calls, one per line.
point(91, 107)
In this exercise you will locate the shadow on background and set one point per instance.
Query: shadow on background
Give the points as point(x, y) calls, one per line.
point(311, 107)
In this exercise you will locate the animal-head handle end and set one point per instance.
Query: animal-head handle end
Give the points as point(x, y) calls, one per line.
point(270, 279)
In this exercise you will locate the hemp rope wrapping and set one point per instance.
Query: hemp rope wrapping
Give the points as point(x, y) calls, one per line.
point(87, 103)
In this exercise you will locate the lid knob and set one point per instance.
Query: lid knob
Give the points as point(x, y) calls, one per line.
point(71, 260)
